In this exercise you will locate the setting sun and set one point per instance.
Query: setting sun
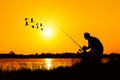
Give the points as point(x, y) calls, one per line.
point(48, 32)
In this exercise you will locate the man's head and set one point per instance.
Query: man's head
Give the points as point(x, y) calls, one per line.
point(86, 35)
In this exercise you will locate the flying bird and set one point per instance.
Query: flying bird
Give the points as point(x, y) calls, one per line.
point(26, 19)
point(41, 28)
point(31, 20)
point(32, 26)
point(41, 24)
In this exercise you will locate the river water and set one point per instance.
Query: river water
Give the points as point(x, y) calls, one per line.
point(36, 63)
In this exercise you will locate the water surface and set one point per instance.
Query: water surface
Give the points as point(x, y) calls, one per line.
point(36, 63)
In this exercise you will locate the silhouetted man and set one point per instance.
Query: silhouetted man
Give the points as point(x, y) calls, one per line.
point(94, 44)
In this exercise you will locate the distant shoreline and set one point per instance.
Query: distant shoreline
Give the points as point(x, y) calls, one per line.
point(64, 55)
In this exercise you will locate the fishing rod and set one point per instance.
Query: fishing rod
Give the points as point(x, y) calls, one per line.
point(70, 37)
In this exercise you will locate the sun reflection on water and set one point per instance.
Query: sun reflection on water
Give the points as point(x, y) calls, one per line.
point(48, 63)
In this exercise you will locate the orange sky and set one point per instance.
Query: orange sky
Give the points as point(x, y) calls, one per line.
point(99, 17)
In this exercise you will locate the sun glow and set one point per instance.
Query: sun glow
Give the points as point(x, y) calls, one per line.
point(48, 32)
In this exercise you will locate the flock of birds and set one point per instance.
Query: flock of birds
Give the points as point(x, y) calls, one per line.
point(31, 21)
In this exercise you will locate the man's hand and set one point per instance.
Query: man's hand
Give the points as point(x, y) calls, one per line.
point(84, 48)
point(80, 50)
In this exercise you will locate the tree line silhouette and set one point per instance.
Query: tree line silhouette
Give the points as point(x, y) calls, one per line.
point(57, 55)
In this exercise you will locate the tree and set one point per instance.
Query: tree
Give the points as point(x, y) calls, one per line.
point(12, 53)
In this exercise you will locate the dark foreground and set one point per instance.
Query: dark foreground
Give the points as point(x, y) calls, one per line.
point(87, 70)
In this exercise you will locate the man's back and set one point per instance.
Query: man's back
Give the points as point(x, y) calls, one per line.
point(96, 45)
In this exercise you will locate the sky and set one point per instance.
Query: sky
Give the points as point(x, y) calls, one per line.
point(101, 18)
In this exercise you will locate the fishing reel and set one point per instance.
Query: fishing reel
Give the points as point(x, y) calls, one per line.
point(83, 49)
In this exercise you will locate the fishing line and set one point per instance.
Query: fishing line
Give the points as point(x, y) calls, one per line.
point(70, 37)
